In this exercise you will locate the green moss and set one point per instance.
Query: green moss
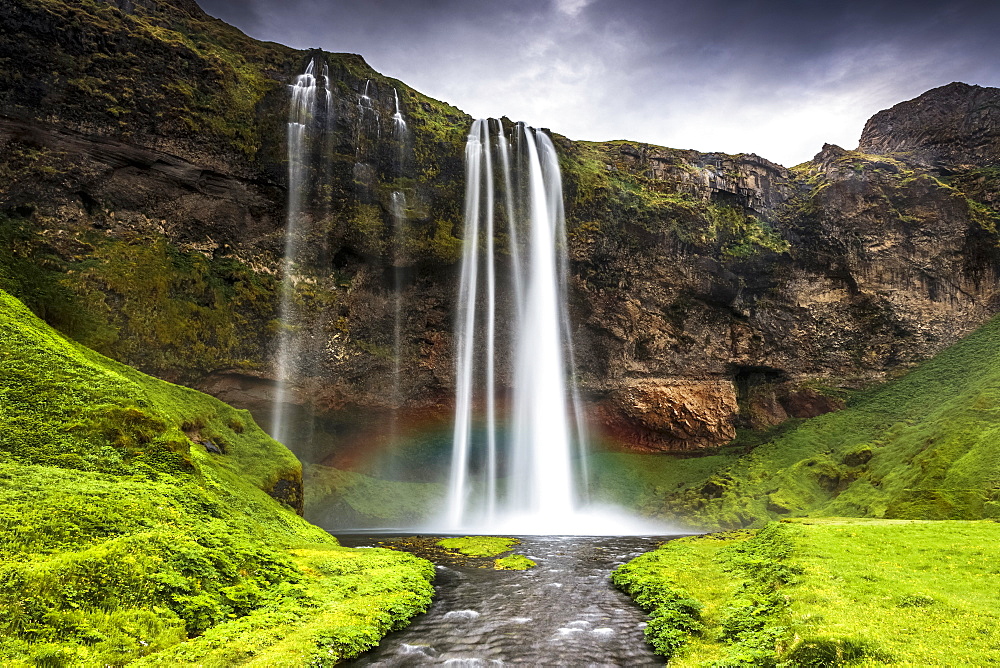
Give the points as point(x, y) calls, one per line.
point(442, 244)
point(141, 300)
point(603, 187)
point(743, 235)
point(211, 78)
point(479, 546)
point(513, 562)
point(827, 592)
point(123, 539)
point(986, 218)
point(354, 498)
point(34, 272)
point(370, 229)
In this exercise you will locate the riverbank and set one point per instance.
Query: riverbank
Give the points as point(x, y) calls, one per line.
point(825, 592)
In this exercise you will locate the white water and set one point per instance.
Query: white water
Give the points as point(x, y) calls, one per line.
point(526, 472)
point(368, 116)
point(399, 123)
point(399, 241)
point(303, 124)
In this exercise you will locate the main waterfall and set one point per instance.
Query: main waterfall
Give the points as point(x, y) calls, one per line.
point(518, 455)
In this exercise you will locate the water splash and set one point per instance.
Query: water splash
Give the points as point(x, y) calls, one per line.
point(532, 471)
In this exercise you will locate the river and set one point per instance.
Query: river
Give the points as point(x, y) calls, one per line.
point(564, 612)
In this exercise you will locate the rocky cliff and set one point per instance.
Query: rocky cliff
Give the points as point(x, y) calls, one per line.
point(143, 213)
point(951, 128)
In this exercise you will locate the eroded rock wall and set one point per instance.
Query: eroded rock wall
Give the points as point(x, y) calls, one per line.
point(707, 291)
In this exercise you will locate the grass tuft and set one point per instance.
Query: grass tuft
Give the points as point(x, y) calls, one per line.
point(513, 562)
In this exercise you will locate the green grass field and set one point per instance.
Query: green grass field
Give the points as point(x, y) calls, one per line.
point(140, 523)
point(826, 592)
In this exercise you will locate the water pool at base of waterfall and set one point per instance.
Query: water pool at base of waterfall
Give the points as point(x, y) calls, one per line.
point(563, 612)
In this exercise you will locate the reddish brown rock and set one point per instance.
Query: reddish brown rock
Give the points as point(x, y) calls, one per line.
point(669, 415)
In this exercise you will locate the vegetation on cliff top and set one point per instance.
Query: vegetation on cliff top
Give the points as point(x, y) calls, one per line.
point(824, 593)
point(603, 188)
point(920, 447)
point(135, 525)
point(170, 69)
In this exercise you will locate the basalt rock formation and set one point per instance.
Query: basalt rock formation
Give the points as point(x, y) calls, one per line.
point(142, 212)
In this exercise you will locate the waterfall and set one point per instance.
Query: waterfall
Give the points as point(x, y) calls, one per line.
point(399, 241)
point(306, 119)
point(528, 469)
point(368, 116)
point(398, 122)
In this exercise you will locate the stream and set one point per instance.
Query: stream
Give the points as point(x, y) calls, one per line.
point(563, 612)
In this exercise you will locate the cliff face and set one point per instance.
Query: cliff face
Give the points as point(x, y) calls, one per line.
point(841, 272)
point(954, 127)
point(143, 213)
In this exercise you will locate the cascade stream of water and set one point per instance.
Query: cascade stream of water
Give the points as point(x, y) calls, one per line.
point(529, 468)
point(309, 114)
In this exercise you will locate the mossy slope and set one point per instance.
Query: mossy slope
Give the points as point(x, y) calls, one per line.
point(123, 538)
point(825, 593)
point(335, 499)
point(921, 447)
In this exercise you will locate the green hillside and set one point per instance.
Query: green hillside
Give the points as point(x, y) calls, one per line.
point(925, 446)
point(139, 521)
point(825, 592)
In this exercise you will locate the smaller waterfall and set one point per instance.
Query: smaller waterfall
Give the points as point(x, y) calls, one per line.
point(310, 112)
point(368, 115)
point(365, 100)
point(399, 123)
point(398, 212)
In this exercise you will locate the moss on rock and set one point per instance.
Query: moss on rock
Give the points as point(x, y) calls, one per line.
point(479, 546)
point(513, 562)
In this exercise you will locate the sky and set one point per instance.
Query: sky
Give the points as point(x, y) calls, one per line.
point(778, 78)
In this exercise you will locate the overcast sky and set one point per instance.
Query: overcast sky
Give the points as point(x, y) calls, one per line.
point(773, 77)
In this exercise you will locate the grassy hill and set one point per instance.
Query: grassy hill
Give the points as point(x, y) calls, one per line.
point(140, 522)
point(925, 446)
point(825, 592)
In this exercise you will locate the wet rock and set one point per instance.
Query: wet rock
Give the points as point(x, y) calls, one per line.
point(808, 402)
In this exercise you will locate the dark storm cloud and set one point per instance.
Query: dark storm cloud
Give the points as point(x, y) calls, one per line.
point(775, 77)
